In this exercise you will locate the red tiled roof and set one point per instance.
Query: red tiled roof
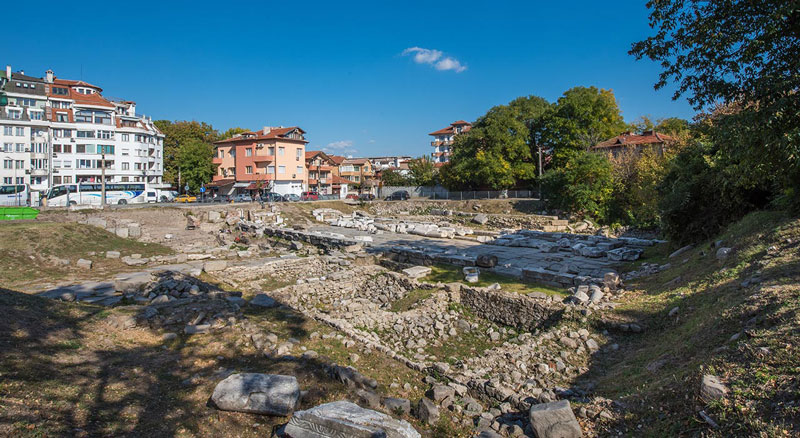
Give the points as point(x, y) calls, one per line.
point(630, 139)
point(71, 83)
point(336, 179)
point(356, 161)
point(338, 159)
point(451, 129)
point(274, 133)
point(220, 182)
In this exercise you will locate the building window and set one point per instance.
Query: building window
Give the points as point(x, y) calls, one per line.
point(248, 152)
point(299, 154)
point(299, 170)
point(271, 150)
point(221, 153)
point(281, 151)
point(8, 180)
point(85, 134)
point(36, 115)
point(20, 147)
point(105, 135)
point(60, 91)
point(271, 170)
point(8, 147)
point(14, 114)
point(67, 148)
point(20, 180)
point(8, 164)
point(248, 170)
point(62, 117)
point(281, 169)
point(126, 166)
point(67, 179)
point(8, 130)
point(20, 131)
point(126, 137)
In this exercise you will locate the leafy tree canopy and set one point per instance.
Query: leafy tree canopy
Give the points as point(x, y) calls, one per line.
point(740, 59)
point(393, 178)
point(496, 153)
point(422, 171)
point(194, 157)
point(581, 118)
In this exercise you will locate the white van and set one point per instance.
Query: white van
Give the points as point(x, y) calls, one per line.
point(158, 195)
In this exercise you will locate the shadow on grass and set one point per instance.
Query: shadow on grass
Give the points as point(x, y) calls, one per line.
point(62, 377)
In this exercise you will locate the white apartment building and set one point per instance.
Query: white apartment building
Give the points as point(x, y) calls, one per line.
point(443, 140)
point(56, 131)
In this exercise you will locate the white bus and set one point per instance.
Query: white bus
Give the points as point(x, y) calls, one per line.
point(15, 196)
point(90, 194)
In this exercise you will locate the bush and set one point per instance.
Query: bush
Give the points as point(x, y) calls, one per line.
point(636, 179)
point(584, 185)
point(698, 197)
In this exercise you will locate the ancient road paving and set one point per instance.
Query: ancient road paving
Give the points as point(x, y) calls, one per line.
point(511, 260)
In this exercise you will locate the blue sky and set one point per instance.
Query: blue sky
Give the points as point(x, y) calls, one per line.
point(338, 69)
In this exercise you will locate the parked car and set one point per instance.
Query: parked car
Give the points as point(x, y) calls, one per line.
point(351, 196)
point(366, 197)
point(272, 197)
point(309, 196)
point(243, 198)
point(291, 197)
point(400, 195)
point(186, 198)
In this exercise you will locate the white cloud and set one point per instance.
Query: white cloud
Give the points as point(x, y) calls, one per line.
point(341, 144)
point(340, 147)
point(434, 57)
point(450, 64)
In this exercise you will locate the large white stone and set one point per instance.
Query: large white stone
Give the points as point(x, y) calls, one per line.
point(417, 271)
point(269, 394)
point(345, 419)
point(554, 420)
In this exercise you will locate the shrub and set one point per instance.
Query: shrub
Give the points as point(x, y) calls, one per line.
point(584, 185)
point(698, 196)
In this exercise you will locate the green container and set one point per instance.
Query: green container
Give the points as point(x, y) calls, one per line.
point(14, 213)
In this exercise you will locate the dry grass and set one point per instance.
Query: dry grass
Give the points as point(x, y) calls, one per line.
point(29, 247)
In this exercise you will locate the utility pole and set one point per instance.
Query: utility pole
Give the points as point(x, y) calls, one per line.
point(539, 147)
point(103, 177)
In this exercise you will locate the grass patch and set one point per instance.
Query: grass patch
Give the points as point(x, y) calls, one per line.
point(28, 247)
point(452, 274)
point(411, 300)
point(713, 306)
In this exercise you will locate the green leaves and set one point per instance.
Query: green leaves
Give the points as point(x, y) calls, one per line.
point(194, 158)
point(584, 185)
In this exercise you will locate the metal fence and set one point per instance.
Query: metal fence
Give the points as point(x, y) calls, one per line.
point(439, 192)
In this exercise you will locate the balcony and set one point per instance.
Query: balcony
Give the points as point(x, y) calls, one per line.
point(216, 160)
point(39, 155)
point(39, 172)
point(263, 158)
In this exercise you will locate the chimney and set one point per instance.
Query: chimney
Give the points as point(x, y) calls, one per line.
point(8, 72)
point(48, 76)
point(266, 130)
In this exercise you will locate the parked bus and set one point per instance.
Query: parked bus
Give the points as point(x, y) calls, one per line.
point(15, 195)
point(90, 194)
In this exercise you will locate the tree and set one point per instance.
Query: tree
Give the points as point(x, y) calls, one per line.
point(584, 185)
point(744, 54)
point(393, 178)
point(176, 134)
point(581, 118)
point(422, 171)
point(194, 158)
point(496, 153)
point(231, 132)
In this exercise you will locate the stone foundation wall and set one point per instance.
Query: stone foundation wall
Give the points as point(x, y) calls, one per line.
point(512, 309)
point(323, 240)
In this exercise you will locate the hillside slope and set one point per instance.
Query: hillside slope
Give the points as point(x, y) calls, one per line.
point(737, 318)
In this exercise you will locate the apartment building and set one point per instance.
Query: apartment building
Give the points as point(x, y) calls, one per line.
point(271, 159)
point(443, 140)
point(56, 131)
point(397, 163)
point(323, 173)
point(359, 171)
